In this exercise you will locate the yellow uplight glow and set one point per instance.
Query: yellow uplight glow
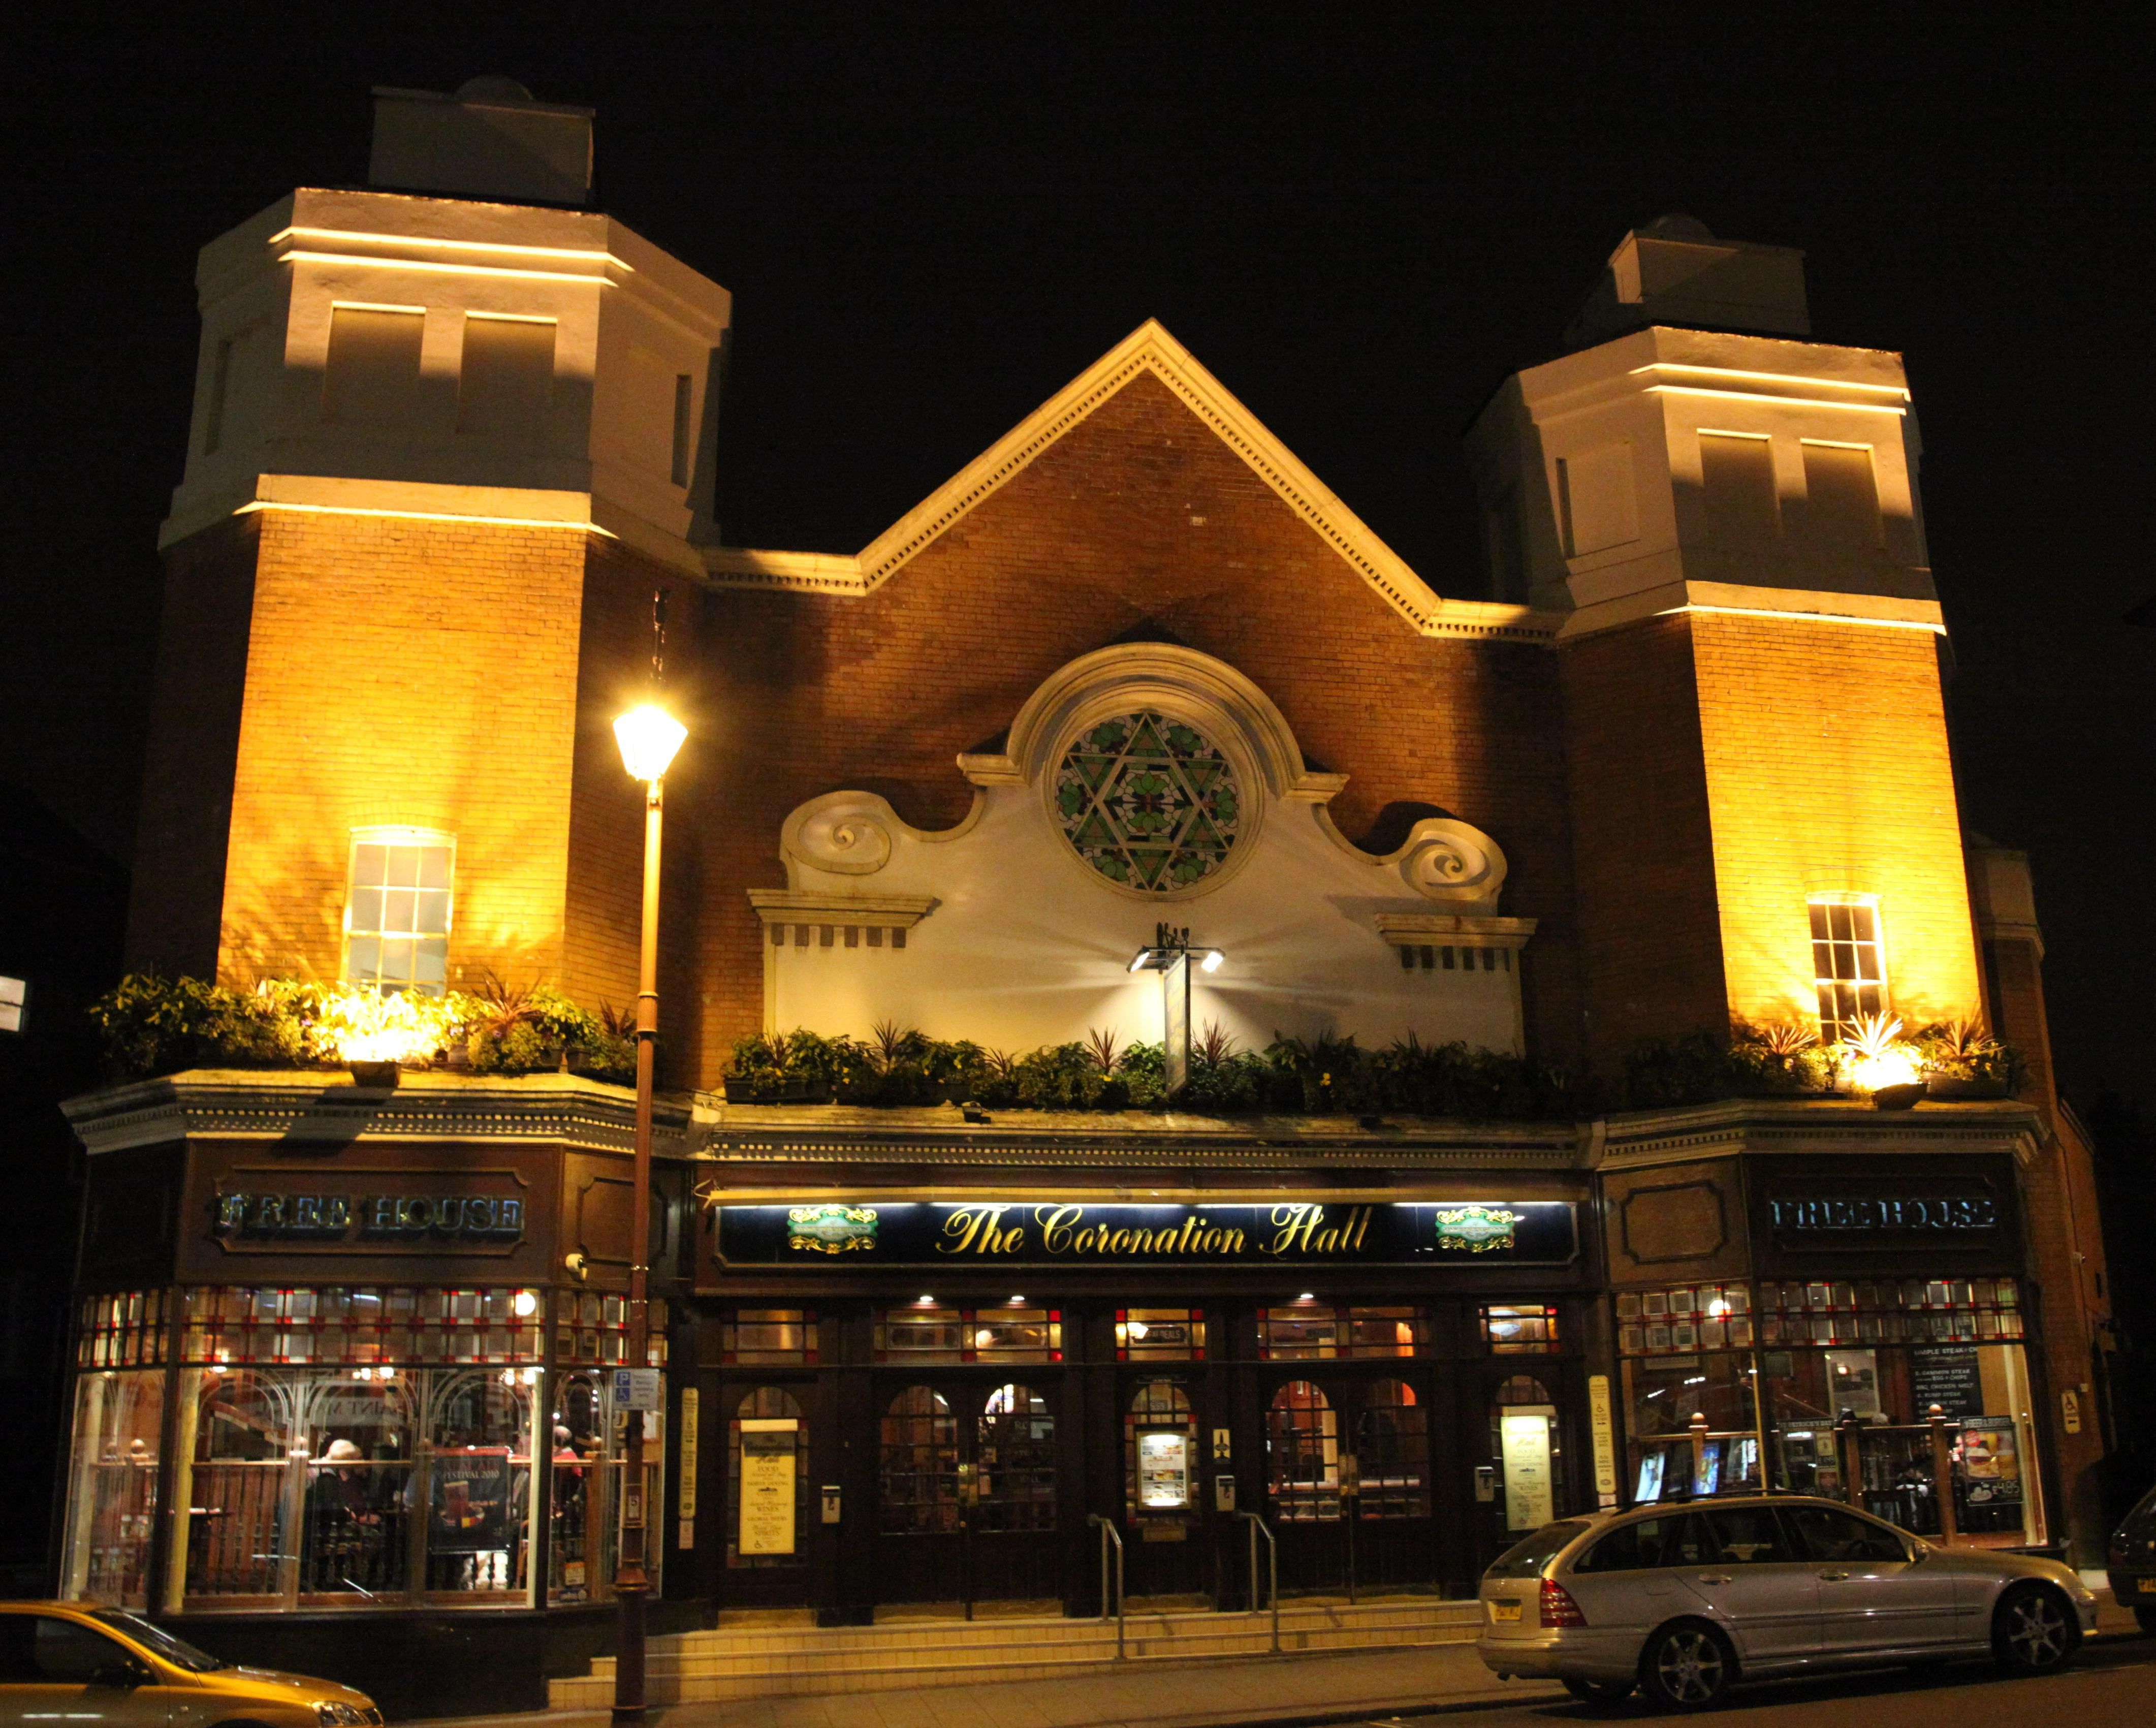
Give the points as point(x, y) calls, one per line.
point(1889, 1068)
point(361, 237)
point(648, 736)
point(364, 1027)
point(446, 269)
point(1757, 396)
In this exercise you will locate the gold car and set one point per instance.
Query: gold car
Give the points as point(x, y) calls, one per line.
point(66, 1662)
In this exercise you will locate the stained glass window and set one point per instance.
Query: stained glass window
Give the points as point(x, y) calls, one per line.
point(1149, 802)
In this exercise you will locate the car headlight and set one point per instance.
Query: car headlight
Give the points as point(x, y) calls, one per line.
point(335, 1713)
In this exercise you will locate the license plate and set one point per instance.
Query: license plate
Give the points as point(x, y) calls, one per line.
point(2144, 1587)
point(1501, 1609)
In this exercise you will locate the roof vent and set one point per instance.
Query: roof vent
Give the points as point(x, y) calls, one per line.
point(491, 139)
point(1673, 270)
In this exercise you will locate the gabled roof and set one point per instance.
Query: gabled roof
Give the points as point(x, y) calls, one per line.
point(1149, 348)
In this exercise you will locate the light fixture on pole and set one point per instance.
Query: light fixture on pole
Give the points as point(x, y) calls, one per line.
point(648, 736)
point(1172, 955)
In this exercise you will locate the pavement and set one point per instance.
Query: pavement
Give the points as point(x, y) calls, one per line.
point(1290, 1691)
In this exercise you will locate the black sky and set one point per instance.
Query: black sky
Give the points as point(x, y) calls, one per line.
point(1360, 218)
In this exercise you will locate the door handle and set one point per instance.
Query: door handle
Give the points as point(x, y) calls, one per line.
point(1716, 1578)
point(1835, 1577)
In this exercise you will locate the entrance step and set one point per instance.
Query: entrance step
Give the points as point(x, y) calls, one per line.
point(738, 1661)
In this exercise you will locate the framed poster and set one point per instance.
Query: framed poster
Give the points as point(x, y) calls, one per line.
point(767, 1468)
point(1164, 1469)
point(1853, 1382)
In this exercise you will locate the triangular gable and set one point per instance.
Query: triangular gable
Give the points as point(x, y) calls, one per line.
point(1149, 348)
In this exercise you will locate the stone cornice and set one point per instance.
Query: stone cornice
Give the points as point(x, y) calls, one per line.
point(1019, 1140)
point(1752, 1127)
point(305, 1109)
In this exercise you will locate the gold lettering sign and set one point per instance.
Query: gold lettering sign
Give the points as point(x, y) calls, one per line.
point(1302, 1230)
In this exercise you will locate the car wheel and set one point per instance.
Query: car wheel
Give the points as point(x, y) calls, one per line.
point(1688, 1666)
point(2034, 1630)
point(1600, 1691)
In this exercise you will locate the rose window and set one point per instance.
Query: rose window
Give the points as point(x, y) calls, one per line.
point(1149, 802)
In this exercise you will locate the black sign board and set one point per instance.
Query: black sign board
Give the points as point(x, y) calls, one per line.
point(1012, 1233)
point(1931, 1213)
point(1946, 1375)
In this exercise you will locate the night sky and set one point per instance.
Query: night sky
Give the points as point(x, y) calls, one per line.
point(1359, 218)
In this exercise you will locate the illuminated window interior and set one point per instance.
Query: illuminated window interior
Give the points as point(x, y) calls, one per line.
point(397, 912)
point(1160, 1335)
point(1848, 965)
point(1522, 1329)
point(1307, 1330)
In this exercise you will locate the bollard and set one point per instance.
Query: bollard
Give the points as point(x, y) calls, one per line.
point(1942, 1485)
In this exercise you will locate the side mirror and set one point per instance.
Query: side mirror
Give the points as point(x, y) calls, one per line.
point(123, 1674)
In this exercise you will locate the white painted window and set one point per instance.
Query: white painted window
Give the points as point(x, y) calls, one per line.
point(371, 375)
point(1841, 493)
point(1737, 476)
point(1849, 962)
point(684, 396)
point(505, 382)
point(14, 1001)
point(1597, 504)
point(397, 910)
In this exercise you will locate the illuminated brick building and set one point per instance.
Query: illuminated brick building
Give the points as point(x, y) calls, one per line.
point(1686, 775)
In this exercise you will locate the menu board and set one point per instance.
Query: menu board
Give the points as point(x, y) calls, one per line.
point(768, 1485)
point(1164, 1469)
point(1525, 1435)
point(1947, 1377)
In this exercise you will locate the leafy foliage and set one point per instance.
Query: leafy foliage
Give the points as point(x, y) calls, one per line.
point(153, 1025)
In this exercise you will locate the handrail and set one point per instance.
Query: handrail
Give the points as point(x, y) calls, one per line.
point(1272, 1550)
point(1109, 1534)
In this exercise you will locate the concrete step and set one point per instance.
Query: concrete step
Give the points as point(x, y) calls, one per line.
point(764, 1661)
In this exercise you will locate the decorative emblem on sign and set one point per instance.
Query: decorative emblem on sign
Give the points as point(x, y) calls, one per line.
point(830, 1229)
point(1476, 1229)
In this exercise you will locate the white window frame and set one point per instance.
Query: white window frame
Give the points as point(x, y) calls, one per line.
point(1833, 1024)
point(394, 835)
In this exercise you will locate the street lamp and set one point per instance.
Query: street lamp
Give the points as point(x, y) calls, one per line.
point(648, 736)
point(1170, 955)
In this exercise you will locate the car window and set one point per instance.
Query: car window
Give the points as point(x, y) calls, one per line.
point(1748, 1536)
point(2141, 1521)
point(36, 1648)
point(1524, 1559)
point(1672, 1539)
point(1828, 1533)
point(175, 1650)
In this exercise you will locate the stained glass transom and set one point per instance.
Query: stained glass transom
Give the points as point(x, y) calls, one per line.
point(1149, 802)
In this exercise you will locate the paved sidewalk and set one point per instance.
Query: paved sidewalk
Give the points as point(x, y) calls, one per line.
point(1292, 1691)
point(1324, 1687)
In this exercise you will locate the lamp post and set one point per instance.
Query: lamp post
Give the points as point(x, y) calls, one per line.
point(1171, 955)
point(648, 736)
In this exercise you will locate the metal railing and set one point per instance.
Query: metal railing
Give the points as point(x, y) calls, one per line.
point(1272, 1551)
point(1109, 1534)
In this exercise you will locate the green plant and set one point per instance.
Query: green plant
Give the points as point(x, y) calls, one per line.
point(1101, 1041)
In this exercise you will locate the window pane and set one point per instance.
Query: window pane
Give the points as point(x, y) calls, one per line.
point(430, 914)
point(403, 866)
point(370, 863)
point(434, 866)
point(430, 962)
point(366, 963)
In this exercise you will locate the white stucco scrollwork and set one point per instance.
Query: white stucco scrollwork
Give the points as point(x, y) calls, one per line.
point(1448, 860)
point(846, 833)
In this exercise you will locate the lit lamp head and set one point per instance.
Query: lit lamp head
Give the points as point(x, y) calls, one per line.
point(648, 736)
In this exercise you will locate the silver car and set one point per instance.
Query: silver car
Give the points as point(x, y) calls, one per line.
point(1686, 1600)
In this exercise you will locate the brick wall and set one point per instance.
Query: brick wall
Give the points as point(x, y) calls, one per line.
point(1827, 769)
point(1140, 523)
point(606, 811)
point(177, 893)
point(404, 671)
point(1651, 951)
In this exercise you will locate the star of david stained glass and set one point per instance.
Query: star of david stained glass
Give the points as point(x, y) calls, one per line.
point(1149, 801)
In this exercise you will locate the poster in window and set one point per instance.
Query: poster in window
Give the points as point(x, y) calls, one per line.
point(767, 1486)
point(1853, 1382)
point(1991, 1460)
point(473, 1499)
point(1164, 1470)
point(1525, 1435)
